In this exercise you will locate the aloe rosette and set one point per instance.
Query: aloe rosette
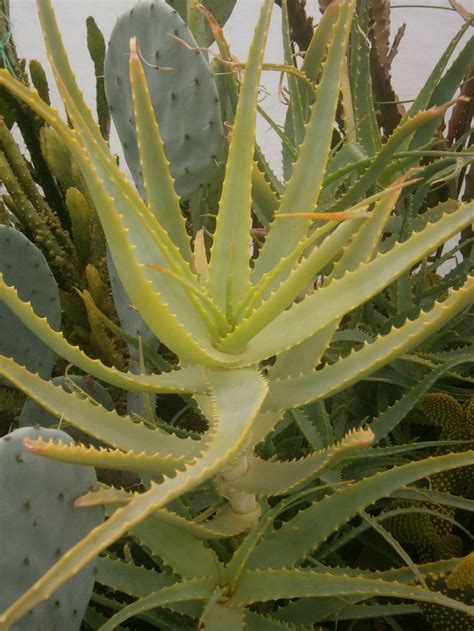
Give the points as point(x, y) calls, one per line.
point(225, 315)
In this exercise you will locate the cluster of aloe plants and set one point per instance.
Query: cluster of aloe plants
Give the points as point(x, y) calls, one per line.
point(280, 334)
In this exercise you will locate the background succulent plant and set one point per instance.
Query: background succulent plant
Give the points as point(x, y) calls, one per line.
point(244, 331)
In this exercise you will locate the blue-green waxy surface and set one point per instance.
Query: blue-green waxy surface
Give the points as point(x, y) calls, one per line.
point(182, 90)
point(23, 265)
point(38, 524)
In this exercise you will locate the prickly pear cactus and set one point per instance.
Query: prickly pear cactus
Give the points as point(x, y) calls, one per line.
point(449, 415)
point(458, 584)
point(24, 266)
point(39, 524)
point(456, 423)
point(182, 90)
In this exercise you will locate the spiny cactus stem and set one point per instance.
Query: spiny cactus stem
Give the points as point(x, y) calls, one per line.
point(25, 212)
point(20, 168)
point(301, 24)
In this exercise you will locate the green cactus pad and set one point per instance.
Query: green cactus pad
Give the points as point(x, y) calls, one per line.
point(39, 524)
point(447, 547)
point(459, 584)
point(24, 266)
point(181, 87)
point(444, 410)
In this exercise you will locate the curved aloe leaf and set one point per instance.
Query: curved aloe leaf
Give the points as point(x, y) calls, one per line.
point(194, 589)
point(304, 187)
point(343, 295)
point(229, 271)
point(196, 346)
point(236, 401)
point(280, 478)
point(176, 547)
point(159, 186)
point(153, 465)
point(386, 422)
point(311, 527)
point(296, 391)
point(270, 584)
point(304, 357)
point(120, 431)
point(138, 582)
point(185, 380)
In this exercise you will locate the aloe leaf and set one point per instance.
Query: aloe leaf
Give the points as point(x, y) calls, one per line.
point(264, 200)
point(58, 57)
point(225, 523)
point(366, 126)
point(311, 527)
point(424, 96)
point(295, 120)
point(274, 584)
point(219, 616)
point(445, 90)
point(313, 62)
point(312, 610)
point(194, 589)
point(345, 294)
point(304, 187)
point(159, 187)
point(360, 249)
point(308, 610)
point(138, 283)
point(365, 243)
point(138, 581)
point(297, 391)
point(386, 422)
point(131, 579)
point(428, 495)
point(120, 431)
point(229, 271)
point(306, 356)
point(171, 539)
point(82, 116)
point(190, 379)
point(153, 465)
point(402, 574)
point(280, 478)
point(365, 612)
point(377, 167)
point(297, 281)
point(273, 278)
point(257, 622)
point(176, 547)
point(265, 186)
point(236, 401)
point(265, 424)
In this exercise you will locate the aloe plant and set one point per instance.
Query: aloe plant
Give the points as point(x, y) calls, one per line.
point(247, 329)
